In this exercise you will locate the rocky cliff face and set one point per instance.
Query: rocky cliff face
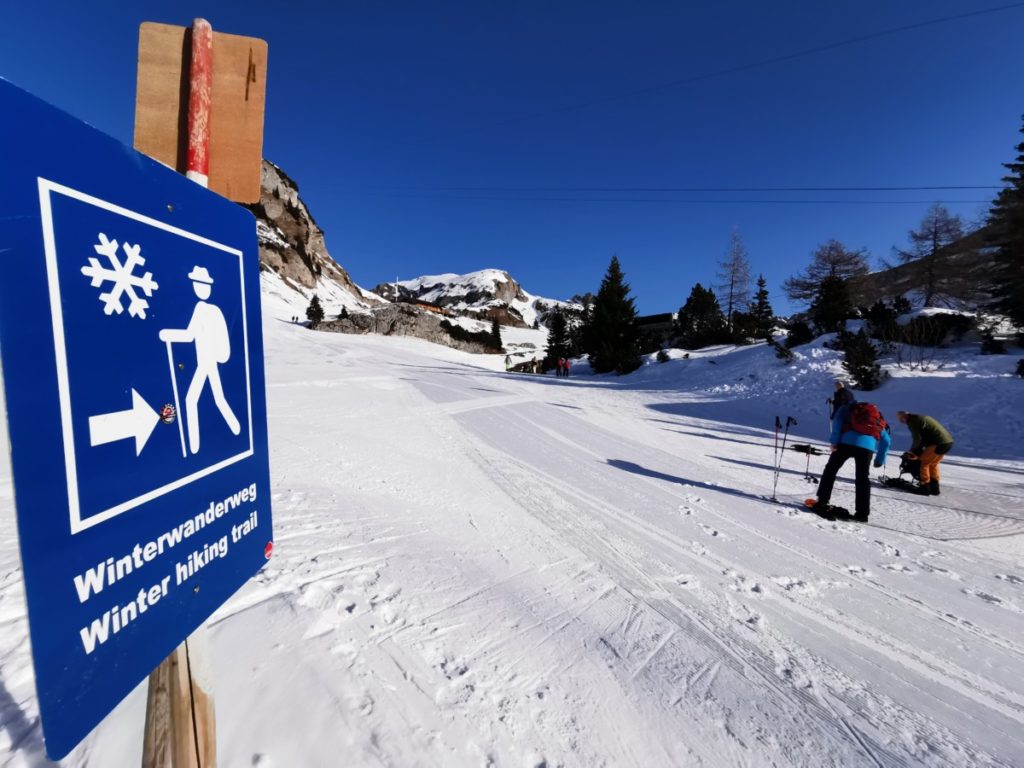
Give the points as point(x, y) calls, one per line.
point(402, 320)
point(292, 245)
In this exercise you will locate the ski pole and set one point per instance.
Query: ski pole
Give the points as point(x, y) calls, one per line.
point(778, 427)
point(782, 453)
point(789, 420)
point(775, 458)
point(177, 405)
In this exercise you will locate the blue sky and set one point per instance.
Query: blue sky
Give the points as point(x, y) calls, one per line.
point(433, 137)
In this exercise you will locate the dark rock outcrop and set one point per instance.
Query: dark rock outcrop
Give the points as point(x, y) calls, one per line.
point(402, 320)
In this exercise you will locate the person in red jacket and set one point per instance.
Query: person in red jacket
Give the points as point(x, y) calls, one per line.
point(565, 367)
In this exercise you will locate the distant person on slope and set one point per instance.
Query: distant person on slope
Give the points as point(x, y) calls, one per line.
point(858, 432)
point(932, 442)
point(842, 397)
point(508, 363)
point(565, 367)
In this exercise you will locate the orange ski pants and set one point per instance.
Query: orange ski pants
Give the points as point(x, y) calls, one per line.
point(930, 464)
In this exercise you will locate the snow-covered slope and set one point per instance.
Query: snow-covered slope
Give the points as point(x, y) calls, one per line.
point(476, 568)
point(487, 292)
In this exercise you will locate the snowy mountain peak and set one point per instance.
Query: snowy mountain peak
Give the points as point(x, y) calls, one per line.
point(486, 293)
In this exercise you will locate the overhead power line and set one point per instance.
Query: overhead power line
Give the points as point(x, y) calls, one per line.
point(753, 65)
point(703, 189)
point(686, 201)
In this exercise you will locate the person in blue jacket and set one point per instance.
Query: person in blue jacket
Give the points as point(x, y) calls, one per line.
point(858, 432)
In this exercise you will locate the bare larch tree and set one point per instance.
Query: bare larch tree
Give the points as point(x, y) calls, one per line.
point(936, 280)
point(734, 277)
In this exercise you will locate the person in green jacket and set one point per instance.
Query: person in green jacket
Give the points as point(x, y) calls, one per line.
point(932, 442)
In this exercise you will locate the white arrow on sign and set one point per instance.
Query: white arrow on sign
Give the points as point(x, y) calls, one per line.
point(137, 422)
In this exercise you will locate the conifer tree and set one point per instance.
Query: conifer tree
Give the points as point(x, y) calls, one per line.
point(882, 322)
point(496, 334)
point(700, 320)
point(734, 274)
point(558, 337)
point(614, 341)
point(799, 333)
point(761, 310)
point(1007, 222)
point(743, 328)
point(861, 360)
point(831, 306)
point(580, 331)
point(831, 259)
point(314, 312)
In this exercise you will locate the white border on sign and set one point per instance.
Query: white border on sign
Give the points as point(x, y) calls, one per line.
point(46, 188)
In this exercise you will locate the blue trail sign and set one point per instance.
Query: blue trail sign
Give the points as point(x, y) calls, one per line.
point(132, 354)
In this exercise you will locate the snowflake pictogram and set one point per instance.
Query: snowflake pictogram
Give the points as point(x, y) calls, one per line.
point(122, 276)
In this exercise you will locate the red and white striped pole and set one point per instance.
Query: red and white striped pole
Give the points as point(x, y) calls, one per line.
point(199, 94)
point(181, 726)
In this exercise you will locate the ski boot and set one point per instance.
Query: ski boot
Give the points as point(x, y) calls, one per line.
point(827, 511)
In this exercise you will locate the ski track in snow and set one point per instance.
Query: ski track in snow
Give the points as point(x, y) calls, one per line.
point(473, 568)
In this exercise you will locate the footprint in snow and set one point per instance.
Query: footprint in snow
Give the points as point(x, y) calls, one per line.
point(744, 584)
point(856, 570)
point(361, 702)
point(713, 532)
point(687, 580)
point(898, 567)
point(984, 596)
point(790, 584)
point(1009, 577)
point(889, 549)
point(928, 568)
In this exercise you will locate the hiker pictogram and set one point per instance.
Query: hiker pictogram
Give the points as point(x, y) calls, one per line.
point(208, 331)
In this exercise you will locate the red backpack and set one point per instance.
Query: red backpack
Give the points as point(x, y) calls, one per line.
point(866, 419)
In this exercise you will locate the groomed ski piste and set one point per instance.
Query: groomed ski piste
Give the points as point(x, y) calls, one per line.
point(475, 568)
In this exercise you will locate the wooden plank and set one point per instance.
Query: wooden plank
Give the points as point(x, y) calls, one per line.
point(156, 741)
point(161, 94)
point(180, 708)
point(236, 119)
point(238, 103)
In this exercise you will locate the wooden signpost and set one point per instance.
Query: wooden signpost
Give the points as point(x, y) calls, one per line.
point(236, 99)
point(199, 109)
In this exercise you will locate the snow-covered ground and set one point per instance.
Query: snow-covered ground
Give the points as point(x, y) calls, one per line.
point(477, 568)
